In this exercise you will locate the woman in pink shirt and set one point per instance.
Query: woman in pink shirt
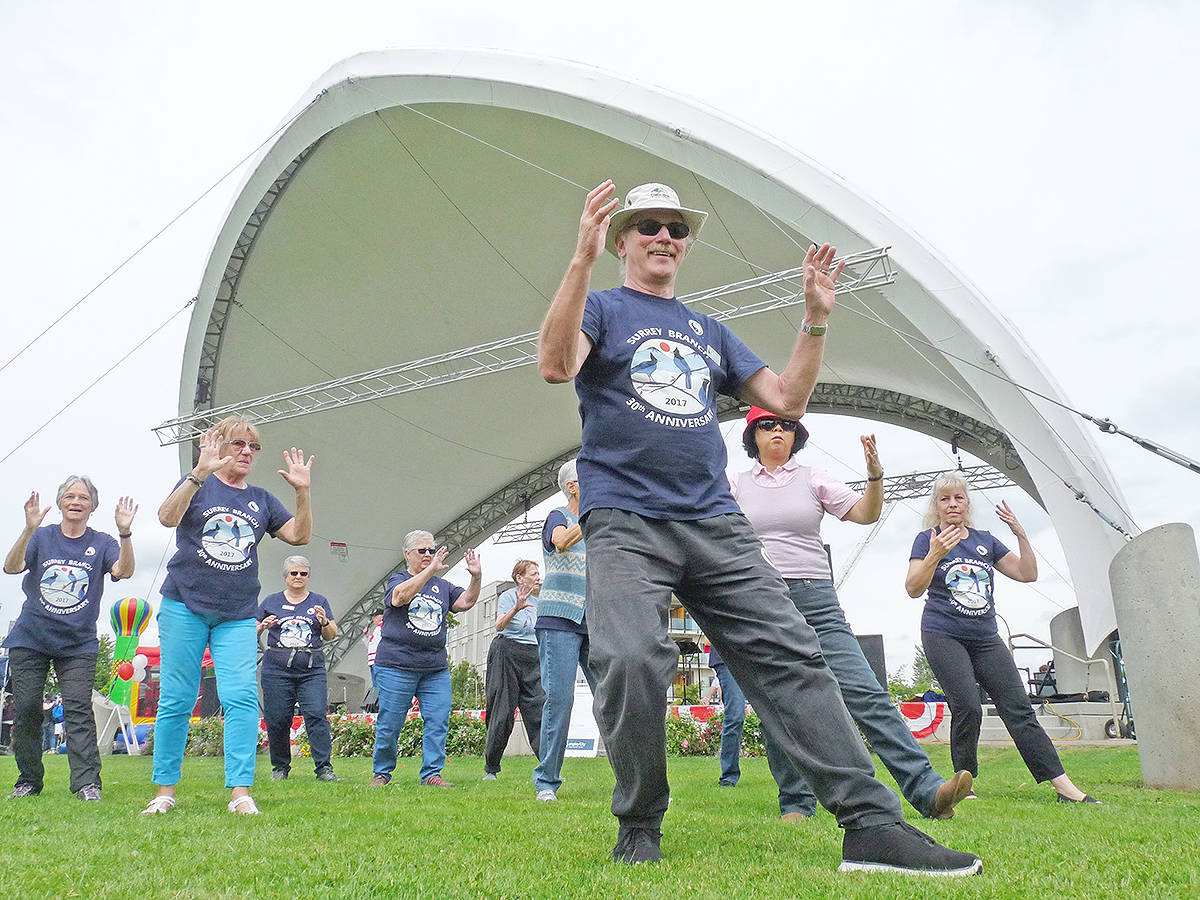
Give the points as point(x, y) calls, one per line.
point(785, 503)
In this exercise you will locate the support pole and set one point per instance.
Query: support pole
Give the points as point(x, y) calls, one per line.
point(1156, 591)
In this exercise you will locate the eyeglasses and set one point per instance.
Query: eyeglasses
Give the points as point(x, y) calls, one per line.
point(301, 574)
point(651, 227)
point(239, 445)
point(424, 551)
point(772, 424)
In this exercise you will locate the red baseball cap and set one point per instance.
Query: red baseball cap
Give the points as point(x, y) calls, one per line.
point(757, 412)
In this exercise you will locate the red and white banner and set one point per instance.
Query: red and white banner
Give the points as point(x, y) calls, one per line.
point(922, 718)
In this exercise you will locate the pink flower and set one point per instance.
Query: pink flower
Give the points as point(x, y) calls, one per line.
point(684, 745)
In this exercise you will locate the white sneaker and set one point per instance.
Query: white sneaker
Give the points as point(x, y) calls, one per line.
point(546, 795)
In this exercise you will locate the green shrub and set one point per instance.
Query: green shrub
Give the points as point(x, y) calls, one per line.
point(351, 738)
point(206, 738)
point(466, 737)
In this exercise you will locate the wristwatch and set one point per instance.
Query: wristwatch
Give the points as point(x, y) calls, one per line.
point(814, 330)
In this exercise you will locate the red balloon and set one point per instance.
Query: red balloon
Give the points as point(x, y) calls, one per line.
point(125, 670)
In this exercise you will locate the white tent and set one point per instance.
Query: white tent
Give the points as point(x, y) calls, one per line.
point(422, 205)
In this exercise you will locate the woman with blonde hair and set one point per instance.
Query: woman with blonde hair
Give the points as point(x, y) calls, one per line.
point(210, 598)
point(952, 563)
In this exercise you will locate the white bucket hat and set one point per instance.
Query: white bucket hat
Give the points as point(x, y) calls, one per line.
point(647, 197)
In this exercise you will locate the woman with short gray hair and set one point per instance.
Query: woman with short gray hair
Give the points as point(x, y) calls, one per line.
point(296, 623)
point(64, 568)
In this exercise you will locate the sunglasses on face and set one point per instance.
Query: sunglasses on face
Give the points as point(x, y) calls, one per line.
point(424, 551)
point(772, 424)
point(239, 445)
point(651, 227)
point(302, 574)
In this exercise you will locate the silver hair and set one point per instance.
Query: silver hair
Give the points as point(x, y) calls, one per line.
point(948, 480)
point(87, 483)
point(566, 474)
point(410, 539)
point(296, 561)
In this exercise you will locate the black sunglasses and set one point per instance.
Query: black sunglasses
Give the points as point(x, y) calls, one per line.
point(305, 574)
point(424, 551)
point(651, 227)
point(772, 424)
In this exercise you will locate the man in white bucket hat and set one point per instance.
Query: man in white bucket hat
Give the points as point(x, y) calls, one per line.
point(658, 518)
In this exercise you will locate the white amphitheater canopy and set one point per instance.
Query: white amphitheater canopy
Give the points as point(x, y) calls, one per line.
point(416, 212)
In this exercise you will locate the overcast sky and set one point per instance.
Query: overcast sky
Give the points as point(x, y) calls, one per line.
point(1046, 150)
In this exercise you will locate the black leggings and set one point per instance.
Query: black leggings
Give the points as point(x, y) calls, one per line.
point(958, 665)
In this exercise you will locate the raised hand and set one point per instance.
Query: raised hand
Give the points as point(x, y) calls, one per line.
point(473, 564)
point(1009, 518)
point(524, 592)
point(438, 563)
point(819, 280)
point(941, 543)
point(296, 471)
point(319, 614)
point(210, 453)
point(126, 510)
point(593, 224)
point(871, 454)
point(270, 621)
point(33, 518)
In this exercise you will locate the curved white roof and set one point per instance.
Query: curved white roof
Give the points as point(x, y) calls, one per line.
point(423, 201)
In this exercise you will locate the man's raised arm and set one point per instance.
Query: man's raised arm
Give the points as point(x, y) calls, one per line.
point(562, 347)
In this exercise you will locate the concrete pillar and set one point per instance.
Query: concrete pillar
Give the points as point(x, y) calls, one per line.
point(1156, 593)
point(1070, 676)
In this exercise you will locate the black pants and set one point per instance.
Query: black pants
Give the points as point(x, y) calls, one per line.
point(76, 674)
point(513, 681)
point(958, 665)
point(716, 567)
point(282, 690)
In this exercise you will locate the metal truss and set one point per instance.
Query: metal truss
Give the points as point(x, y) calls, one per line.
point(210, 351)
point(918, 485)
point(867, 269)
point(467, 530)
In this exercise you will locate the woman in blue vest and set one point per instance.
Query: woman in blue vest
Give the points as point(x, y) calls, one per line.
point(561, 630)
point(64, 568)
point(210, 599)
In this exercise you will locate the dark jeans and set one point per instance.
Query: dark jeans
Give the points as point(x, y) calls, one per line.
point(513, 681)
point(958, 665)
point(284, 688)
point(716, 568)
point(733, 720)
point(28, 670)
point(869, 704)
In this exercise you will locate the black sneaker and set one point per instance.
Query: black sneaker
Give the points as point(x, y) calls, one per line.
point(637, 845)
point(279, 774)
point(24, 789)
point(89, 792)
point(326, 773)
point(898, 847)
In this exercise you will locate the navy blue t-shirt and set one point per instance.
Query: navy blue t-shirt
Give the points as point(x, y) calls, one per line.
point(647, 398)
point(414, 635)
point(959, 601)
point(297, 635)
point(63, 584)
point(557, 623)
point(215, 569)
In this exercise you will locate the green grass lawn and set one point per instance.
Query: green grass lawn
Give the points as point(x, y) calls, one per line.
point(492, 839)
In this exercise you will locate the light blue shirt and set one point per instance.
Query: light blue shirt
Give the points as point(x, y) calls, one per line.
point(520, 629)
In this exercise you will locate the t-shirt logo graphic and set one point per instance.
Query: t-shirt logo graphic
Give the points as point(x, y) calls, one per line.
point(424, 615)
point(695, 326)
point(294, 633)
point(671, 377)
point(227, 538)
point(64, 588)
point(90, 551)
point(970, 585)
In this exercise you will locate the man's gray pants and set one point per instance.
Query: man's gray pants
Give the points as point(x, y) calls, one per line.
point(717, 569)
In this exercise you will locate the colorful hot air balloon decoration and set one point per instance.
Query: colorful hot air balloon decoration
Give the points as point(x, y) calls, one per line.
point(129, 619)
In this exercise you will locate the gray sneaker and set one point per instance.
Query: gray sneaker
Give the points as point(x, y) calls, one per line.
point(90, 792)
point(637, 845)
point(547, 795)
point(898, 847)
point(279, 774)
point(489, 776)
point(327, 774)
point(24, 789)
